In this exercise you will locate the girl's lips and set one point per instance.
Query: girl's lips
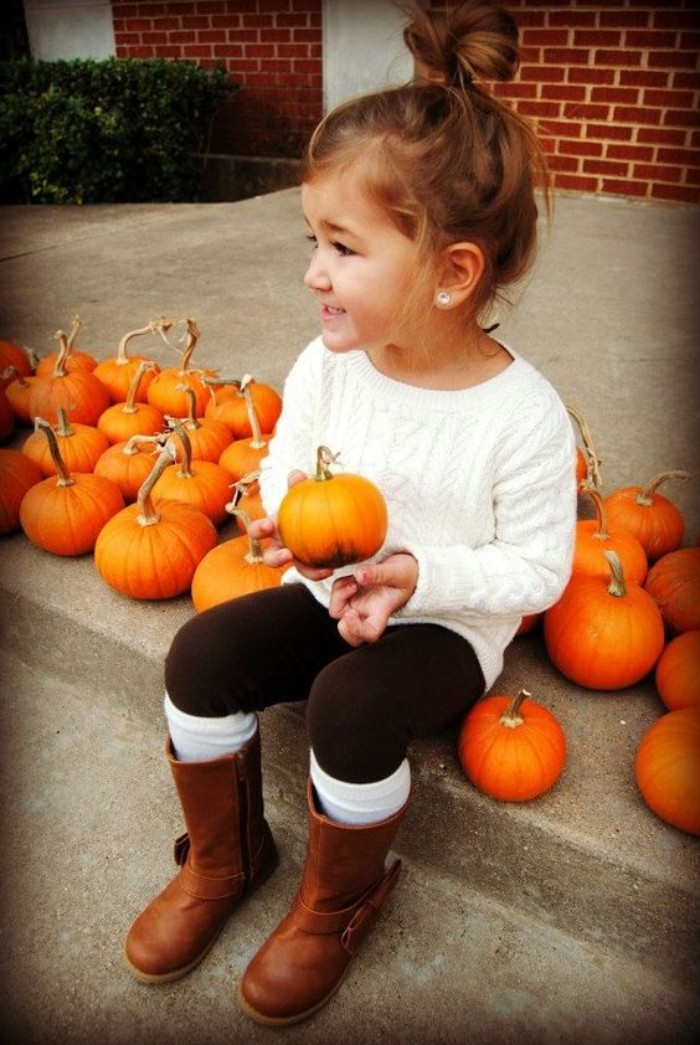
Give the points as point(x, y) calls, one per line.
point(329, 312)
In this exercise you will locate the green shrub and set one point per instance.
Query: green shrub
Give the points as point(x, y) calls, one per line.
point(113, 131)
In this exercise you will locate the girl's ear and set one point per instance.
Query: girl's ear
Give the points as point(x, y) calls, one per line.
point(462, 269)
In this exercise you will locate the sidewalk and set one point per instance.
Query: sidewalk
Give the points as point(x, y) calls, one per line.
point(570, 919)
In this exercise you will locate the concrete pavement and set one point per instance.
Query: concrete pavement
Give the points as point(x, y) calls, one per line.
point(569, 919)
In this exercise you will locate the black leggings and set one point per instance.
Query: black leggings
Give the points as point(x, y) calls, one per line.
point(364, 704)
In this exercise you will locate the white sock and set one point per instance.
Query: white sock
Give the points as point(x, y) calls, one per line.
point(361, 803)
point(196, 739)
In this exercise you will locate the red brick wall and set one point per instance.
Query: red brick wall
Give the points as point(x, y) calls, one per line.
point(271, 48)
point(614, 87)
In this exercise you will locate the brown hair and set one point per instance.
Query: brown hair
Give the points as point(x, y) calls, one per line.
point(447, 160)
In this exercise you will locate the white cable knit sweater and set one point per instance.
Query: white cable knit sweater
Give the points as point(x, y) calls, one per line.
point(479, 485)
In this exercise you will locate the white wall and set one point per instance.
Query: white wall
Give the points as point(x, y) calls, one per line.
point(362, 48)
point(69, 29)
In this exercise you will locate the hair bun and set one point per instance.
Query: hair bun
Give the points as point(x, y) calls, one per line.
point(470, 41)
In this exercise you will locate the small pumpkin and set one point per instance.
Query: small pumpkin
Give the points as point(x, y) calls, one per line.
point(122, 420)
point(208, 438)
point(594, 536)
point(80, 446)
point(677, 673)
point(656, 521)
point(667, 768)
point(129, 464)
point(17, 392)
point(149, 550)
point(65, 513)
point(331, 520)
point(229, 404)
point(83, 395)
point(166, 389)
point(14, 361)
point(203, 484)
point(511, 748)
point(244, 455)
point(235, 567)
point(74, 360)
point(17, 475)
point(117, 373)
point(604, 635)
point(674, 584)
point(7, 417)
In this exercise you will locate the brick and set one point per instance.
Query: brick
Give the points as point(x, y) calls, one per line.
point(681, 118)
point(568, 147)
point(623, 58)
point(559, 129)
point(657, 172)
point(657, 136)
point(515, 90)
point(563, 92)
point(597, 38)
point(576, 183)
point(624, 187)
point(195, 22)
point(561, 163)
point(227, 51)
point(643, 78)
point(675, 193)
point(545, 37)
point(639, 153)
point(676, 19)
point(539, 109)
point(608, 131)
point(621, 95)
point(196, 51)
point(157, 40)
point(572, 19)
point(541, 74)
point(671, 59)
point(683, 157)
point(653, 38)
point(624, 19)
point(613, 168)
point(590, 75)
point(586, 112)
point(669, 99)
point(636, 114)
point(137, 25)
point(683, 80)
point(566, 55)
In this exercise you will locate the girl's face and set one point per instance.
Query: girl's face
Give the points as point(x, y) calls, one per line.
point(363, 270)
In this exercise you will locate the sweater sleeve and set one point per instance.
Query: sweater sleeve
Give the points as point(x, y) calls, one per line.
point(527, 564)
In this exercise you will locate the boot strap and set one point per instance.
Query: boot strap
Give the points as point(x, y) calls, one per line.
point(201, 887)
point(353, 922)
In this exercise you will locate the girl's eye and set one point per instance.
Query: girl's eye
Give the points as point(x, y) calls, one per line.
point(341, 249)
point(312, 240)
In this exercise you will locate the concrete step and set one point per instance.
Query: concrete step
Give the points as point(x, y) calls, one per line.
point(570, 918)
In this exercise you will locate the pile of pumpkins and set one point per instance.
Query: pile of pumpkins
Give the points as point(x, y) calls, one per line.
point(141, 465)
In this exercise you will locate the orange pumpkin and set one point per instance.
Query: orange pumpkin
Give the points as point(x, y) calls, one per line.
point(17, 392)
point(117, 373)
point(677, 673)
point(208, 438)
point(235, 567)
point(7, 417)
point(17, 475)
point(128, 464)
point(674, 583)
point(604, 635)
point(244, 455)
point(332, 520)
point(166, 389)
point(203, 484)
point(655, 521)
point(667, 768)
point(587, 460)
point(122, 420)
point(79, 391)
point(80, 446)
point(64, 514)
point(594, 536)
point(511, 748)
point(150, 551)
point(75, 359)
point(230, 405)
point(14, 361)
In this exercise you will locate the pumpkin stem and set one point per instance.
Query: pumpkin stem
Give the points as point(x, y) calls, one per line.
point(254, 553)
point(185, 471)
point(59, 369)
point(601, 533)
point(617, 586)
point(593, 462)
point(63, 476)
point(153, 327)
point(147, 515)
point(75, 327)
point(324, 460)
point(511, 717)
point(131, 445)
point(257, 442)
point(130, 406)
point(190, 422)
point(63, 428)
point(192, 339)
point(645, 497)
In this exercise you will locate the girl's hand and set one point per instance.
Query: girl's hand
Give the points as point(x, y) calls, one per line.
point(363, 603)
point(275, 553)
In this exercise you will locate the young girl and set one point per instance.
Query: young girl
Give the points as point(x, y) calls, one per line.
point(419, 204)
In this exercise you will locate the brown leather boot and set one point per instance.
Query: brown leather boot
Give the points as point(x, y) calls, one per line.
point(227, 851)
point(343, 888)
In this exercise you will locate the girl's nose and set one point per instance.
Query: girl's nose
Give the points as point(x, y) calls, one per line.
point(316, 277)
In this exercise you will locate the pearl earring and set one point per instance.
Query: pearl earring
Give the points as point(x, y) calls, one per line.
point(444, 298)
